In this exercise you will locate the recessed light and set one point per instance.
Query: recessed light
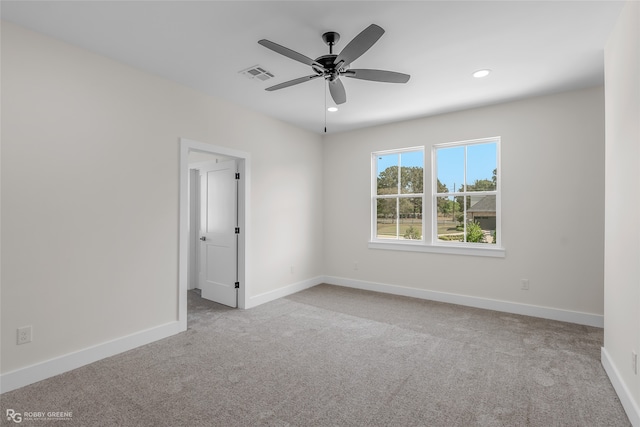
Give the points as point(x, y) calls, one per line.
point(332, 109)
point(481, 73)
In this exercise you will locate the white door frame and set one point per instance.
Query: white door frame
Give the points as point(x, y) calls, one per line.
point(244, 197)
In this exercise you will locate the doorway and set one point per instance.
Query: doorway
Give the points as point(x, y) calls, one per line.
point(241, 163)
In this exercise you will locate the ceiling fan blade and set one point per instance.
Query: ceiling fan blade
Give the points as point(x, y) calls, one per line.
point(289, 53)
point(336, 88)
point(359, 45)
point(293, 82)
point(377, 75)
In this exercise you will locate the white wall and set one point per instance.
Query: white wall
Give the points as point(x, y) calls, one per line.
point(90, 195)
point(552, 204)
point(622, 204)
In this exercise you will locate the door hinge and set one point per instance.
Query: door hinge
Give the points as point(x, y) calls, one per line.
point(237, 285)
point(237, 175)
point(237, 230)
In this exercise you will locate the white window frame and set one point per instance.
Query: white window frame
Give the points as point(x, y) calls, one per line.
point(464, 193)
point(375, 196)
point(429, 242)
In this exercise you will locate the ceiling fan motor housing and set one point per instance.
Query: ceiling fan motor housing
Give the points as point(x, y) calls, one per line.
point(330, 71)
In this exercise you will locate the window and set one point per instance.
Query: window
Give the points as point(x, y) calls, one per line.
point(459, 212)
point(398, 195)
point(465, 199)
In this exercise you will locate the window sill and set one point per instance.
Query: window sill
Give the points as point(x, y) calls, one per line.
point(495, 252)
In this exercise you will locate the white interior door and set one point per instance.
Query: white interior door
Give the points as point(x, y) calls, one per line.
point(218, 237)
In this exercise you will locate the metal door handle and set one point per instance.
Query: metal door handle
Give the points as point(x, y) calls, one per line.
point(203, 238)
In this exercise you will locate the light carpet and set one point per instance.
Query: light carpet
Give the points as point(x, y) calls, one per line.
point(332, 356)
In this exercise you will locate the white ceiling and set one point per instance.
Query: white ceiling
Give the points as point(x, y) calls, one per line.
point(533, 48)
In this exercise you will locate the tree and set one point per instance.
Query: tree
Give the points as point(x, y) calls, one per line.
point(482, 185)
point(474, 233)
point(447, 206)
point(386, 208)
point(388, 181)
point(412, 233)
point(410, 207)
point(444, 204)
point(412, 180)
point(442, 188)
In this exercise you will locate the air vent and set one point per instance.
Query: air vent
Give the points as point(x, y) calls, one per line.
point(257, 72)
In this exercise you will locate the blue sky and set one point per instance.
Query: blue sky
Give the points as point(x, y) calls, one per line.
point(410, 158)
point(481, 161)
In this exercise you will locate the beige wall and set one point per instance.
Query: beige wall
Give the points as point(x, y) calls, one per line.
point(552, 152)
point(90, 195)
point(622, 203)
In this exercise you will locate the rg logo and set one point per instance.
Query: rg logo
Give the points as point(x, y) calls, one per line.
point(14, 416)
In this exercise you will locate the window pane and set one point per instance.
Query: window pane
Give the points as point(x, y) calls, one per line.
point(481, 219)
point(450, 168)
point(411, 218)
point(411, 172)
point(386, 225)
point(481, 167)
point(387, 173)
point(449, 219)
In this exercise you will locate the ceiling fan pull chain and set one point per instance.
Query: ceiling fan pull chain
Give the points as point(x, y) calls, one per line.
point(325, 108)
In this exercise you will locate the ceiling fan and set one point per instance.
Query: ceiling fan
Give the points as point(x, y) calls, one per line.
point(332, 66)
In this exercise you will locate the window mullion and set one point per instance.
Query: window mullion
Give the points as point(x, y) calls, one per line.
point(464, 197)
point(398, 198)
point(398, 218)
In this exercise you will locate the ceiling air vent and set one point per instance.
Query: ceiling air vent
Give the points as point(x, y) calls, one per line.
point(257, 72)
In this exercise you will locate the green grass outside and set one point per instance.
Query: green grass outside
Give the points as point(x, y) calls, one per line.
point(447, 226)
point(389, 230)
point(446, 229)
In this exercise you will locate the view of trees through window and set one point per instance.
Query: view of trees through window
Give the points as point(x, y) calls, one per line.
point(463, 205)
point(399, 195)
point(466, 193)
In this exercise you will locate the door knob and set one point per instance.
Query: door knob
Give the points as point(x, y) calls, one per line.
point(203, 238)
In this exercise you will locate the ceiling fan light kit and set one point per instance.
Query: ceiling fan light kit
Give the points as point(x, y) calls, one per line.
point(331, 67)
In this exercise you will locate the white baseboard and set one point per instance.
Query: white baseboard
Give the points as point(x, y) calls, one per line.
point(56, 366)
point(625, 396)
point(284, 291)
point(489, 304)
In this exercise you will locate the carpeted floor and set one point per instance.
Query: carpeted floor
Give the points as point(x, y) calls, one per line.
point(332, 356)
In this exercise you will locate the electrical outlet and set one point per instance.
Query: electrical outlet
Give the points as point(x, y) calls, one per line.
point(355, 265)
point(524, 284)
point(634, 362)
point(292, 269)
point(24, 335)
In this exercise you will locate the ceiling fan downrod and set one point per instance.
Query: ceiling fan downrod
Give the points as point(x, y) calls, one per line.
point(331, 38)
